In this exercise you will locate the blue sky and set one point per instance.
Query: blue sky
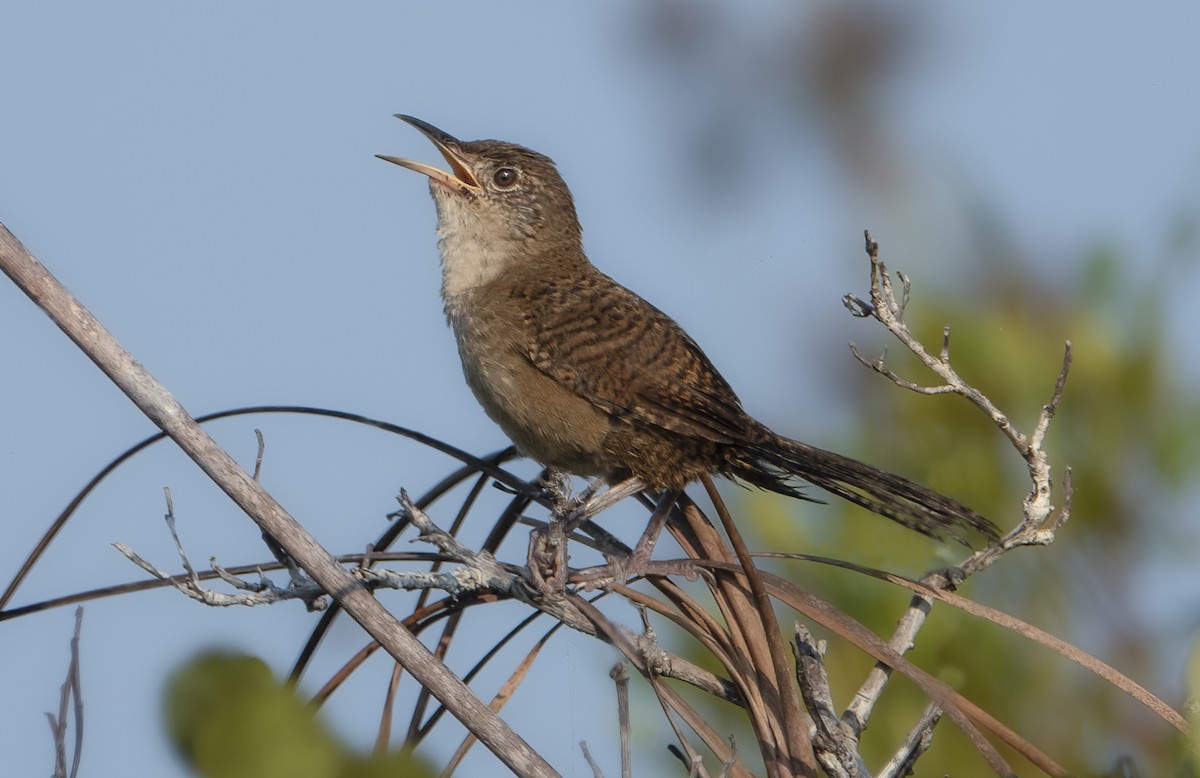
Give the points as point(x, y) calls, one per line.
point(202, 177)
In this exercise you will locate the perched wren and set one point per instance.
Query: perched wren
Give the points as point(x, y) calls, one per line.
point(588, 378)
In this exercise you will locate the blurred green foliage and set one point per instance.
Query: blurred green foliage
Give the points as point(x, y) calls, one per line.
point(228, 716)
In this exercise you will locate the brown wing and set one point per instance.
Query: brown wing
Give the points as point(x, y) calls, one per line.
point(628, 358)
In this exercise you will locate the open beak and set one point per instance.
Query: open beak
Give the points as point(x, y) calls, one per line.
point(461, 179)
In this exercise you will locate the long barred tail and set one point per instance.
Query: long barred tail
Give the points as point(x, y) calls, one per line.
point(899, 499)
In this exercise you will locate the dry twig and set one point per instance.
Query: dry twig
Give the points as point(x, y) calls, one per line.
point(1039, 522)
point(70, 707)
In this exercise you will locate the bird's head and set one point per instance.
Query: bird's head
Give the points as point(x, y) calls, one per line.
point(499, 203)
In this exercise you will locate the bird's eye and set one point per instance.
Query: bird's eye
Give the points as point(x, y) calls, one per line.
point(505, 177)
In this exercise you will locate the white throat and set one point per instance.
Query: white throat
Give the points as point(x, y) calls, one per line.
point(472, 241)
point(468, 260)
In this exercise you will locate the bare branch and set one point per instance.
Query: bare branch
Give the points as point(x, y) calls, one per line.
point(919, 738)
point(880, 367)
point(620, 676)
point(153, 399)
point(1039, 522)
point(834, 742)
point(462, 581)
point(888, 311)
point(70, 705)
point(258, 457)
point(587, 755)
point(859, 709)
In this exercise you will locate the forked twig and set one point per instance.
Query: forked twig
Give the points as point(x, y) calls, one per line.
point(70, 707)
point(1039, 519)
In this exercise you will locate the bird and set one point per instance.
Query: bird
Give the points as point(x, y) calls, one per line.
point(588, 378)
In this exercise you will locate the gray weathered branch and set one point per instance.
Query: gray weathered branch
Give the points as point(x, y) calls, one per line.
point(153, 399)
point(1039, 521)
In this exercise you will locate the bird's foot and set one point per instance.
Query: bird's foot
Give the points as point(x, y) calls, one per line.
point(622, 568)
point(548, 557)
point(547, 561)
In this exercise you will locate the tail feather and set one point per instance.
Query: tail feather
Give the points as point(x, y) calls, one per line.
point(899, 499)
